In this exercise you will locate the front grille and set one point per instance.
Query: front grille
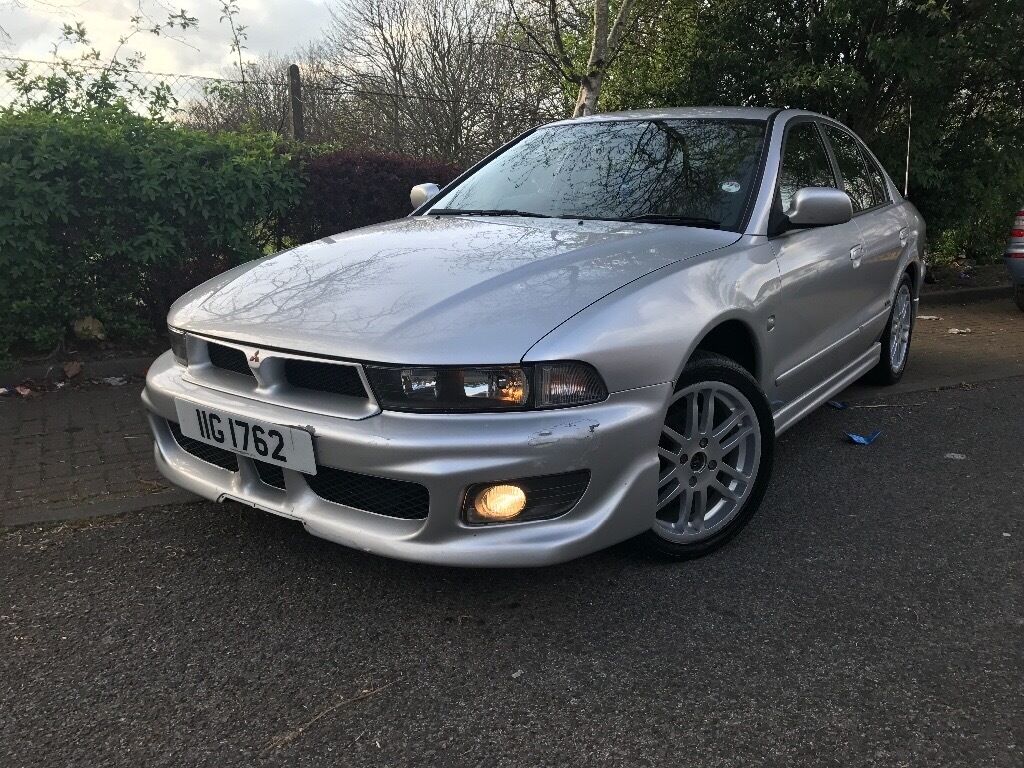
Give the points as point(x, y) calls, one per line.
point(228, 358)
point(393, 498)
point(324, 377)
point(211, 454)
point(271, 474)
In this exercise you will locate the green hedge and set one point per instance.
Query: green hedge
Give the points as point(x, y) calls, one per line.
point(111, 215)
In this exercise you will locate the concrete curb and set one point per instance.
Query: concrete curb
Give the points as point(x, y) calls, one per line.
point(106, 508)
point(96, 369)
point(964, 295)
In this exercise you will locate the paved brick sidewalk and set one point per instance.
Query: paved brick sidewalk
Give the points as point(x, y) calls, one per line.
point(77, 453)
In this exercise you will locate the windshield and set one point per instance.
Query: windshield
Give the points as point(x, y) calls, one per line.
point(689, 171)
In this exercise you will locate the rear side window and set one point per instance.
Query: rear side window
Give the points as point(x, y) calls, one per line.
point(877, 180)
point(805, 163)
point(858, 183)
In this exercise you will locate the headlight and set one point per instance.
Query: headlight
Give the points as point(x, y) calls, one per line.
point(486, 388)
point(178, 346)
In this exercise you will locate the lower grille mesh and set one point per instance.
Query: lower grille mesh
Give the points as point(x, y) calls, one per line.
point(271, 474)
point(379, 495)
point(393, 498)
point(211, 454)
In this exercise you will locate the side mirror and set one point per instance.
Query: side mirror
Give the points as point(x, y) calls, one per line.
point(819, 207)
point(421, 193)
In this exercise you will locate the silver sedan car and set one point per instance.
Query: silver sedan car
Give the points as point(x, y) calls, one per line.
point(595, 334)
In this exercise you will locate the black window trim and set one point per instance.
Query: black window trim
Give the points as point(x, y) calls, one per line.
point(774, 217)
point(872, 162)
point(865, 156)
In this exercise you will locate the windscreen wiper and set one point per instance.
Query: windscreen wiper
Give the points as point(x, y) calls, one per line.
point(670, 218)
point(484, 212)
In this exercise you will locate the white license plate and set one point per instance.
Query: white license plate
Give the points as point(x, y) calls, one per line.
point(272, 443)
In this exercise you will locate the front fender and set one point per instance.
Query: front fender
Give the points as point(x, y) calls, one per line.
point(644, 333)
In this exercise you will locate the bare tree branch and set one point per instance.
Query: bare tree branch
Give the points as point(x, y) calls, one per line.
point(556, 35)
point(446, 80)
point(624, 19)
point(563, 24)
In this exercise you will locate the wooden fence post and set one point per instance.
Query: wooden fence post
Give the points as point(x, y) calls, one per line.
point(295, 103)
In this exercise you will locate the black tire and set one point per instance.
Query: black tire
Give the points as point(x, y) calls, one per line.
point(709, 367)
point(884, 373)
point(1018, 296)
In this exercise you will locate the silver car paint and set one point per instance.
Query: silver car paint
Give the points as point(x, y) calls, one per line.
point(825, 309)
point(434, 290)
point(633, 300)
point(445, 453)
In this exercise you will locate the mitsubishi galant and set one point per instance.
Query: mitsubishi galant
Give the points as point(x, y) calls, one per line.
point(596, 333)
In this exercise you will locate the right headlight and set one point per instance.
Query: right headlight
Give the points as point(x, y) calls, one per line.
point(448, 389)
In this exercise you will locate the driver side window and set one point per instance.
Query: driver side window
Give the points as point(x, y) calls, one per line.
point(805, 163)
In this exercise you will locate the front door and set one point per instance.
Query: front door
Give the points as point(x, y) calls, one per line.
point(817, 319)
point(882, 229)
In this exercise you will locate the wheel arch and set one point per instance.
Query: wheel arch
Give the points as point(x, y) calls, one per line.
point(734, 338)
point(915, 271)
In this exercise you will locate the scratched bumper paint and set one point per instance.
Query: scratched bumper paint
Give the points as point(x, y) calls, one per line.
point(446, 453)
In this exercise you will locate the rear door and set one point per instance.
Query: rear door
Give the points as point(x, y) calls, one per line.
point(883, 229)
point(816, 322)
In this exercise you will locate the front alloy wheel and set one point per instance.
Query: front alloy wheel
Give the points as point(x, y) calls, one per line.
point(714, 458)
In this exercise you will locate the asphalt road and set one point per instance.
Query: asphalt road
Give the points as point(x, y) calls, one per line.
point(871, 614)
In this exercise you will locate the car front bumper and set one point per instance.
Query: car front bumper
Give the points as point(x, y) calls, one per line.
point(615, 440)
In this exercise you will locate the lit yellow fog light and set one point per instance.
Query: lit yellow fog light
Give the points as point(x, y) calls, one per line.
point(500, 502)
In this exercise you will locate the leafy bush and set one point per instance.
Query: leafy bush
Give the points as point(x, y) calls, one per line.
point(348, 189)
point(112, 215)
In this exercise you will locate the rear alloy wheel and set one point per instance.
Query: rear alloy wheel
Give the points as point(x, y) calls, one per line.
point(896, 337)
point(714, 458)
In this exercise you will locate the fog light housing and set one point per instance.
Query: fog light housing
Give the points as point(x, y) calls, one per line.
point(497, 503)
point(524, 499)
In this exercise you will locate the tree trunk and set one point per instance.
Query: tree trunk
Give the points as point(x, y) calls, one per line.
point(590, 90)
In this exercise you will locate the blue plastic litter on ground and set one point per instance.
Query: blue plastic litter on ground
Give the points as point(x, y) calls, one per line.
point(839, 405)
point(864, 439)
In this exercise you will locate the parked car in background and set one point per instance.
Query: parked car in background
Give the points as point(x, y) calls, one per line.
point(596, 333)
point(1014, 258)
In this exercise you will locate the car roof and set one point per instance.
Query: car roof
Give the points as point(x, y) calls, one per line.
point(669, 113)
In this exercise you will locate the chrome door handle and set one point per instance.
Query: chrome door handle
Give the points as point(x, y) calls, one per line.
point(856, 253)
point(904, 235)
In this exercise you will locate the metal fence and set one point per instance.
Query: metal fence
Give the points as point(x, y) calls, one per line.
point(315, 105)
point(208, 103)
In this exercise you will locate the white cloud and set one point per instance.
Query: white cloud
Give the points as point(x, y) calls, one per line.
point(273, 26)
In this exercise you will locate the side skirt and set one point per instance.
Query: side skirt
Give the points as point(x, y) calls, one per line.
point(793, 411)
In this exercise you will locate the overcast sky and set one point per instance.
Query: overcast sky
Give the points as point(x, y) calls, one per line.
point(274, 26)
